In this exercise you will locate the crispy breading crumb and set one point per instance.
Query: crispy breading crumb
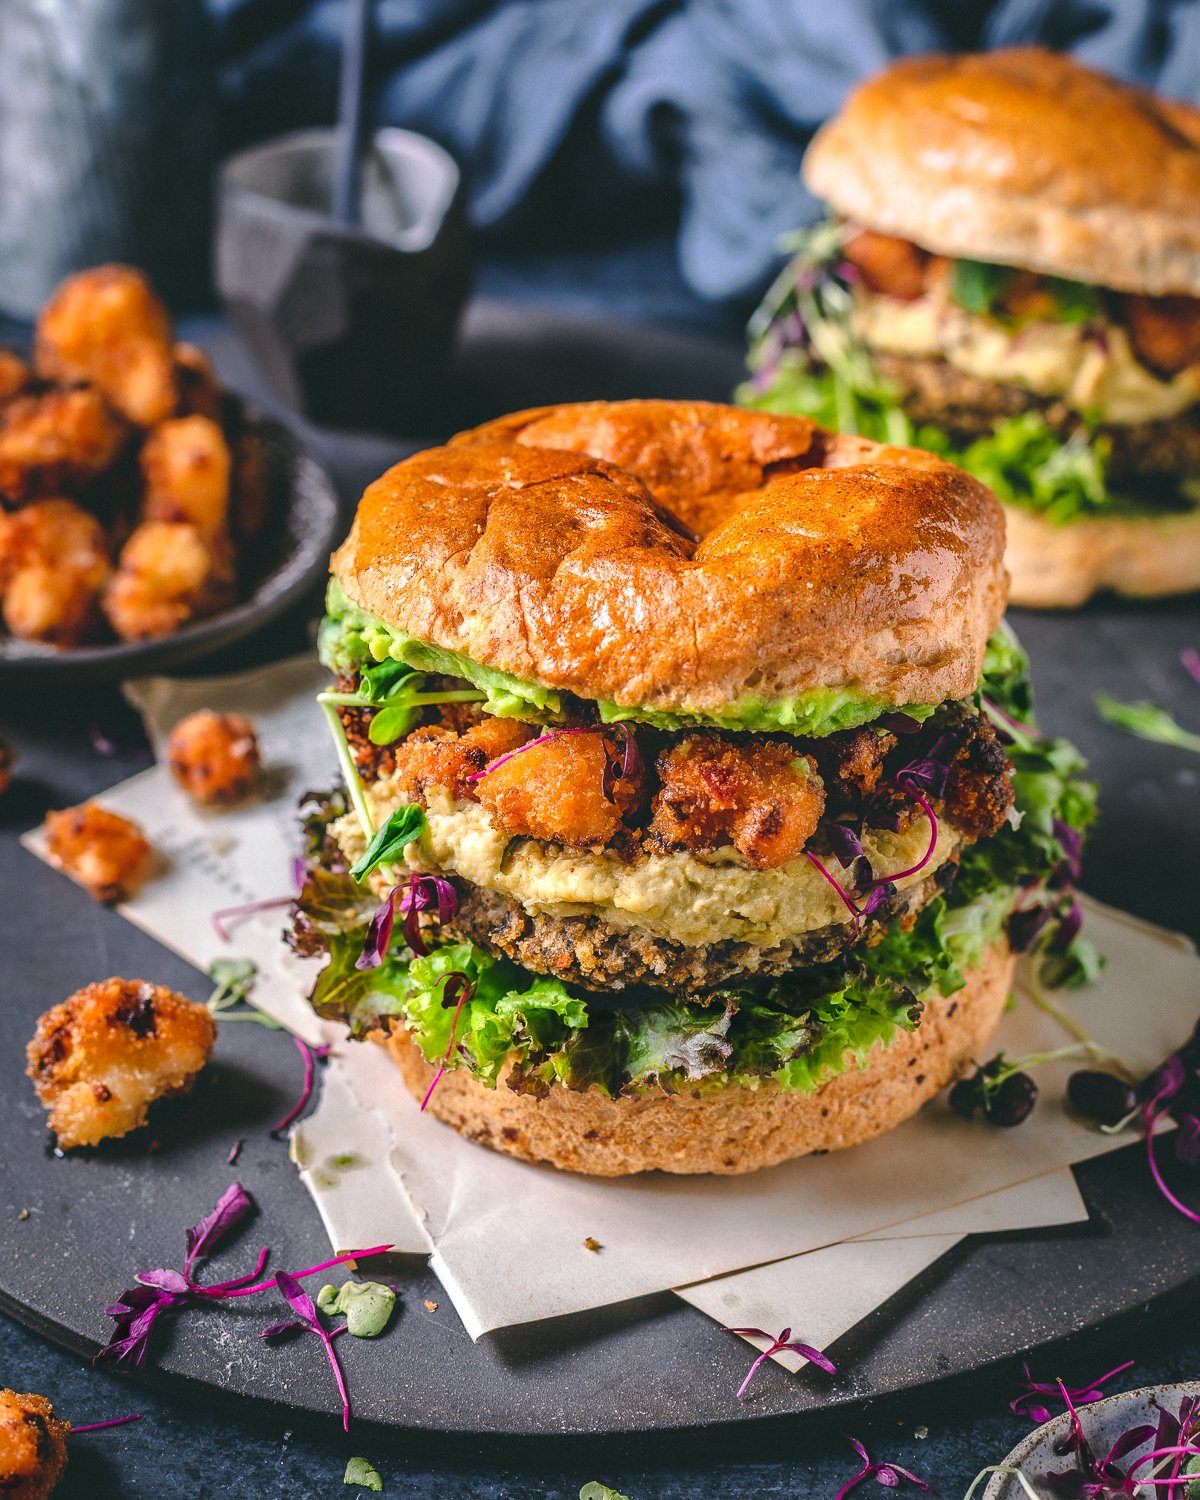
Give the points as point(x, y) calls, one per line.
point(430, 1306)
point(106, 853)
point(33, 1446)
point(593, 1245)
point(102, 1057)
point(214, 757)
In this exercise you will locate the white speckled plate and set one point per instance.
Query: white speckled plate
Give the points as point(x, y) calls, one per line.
point(1103, 1422)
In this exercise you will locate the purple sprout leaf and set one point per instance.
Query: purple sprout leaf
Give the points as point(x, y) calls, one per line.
point(777, 1345)
point(297, 1298)
point(1025, 926)
point(932, 770)
point(1187, 1141)
point(1071, 844)
point(303, 1304)
point(878, 897)
point(1068, 929)
point(379, 934)
point(885, 1474)
point(306, 1092)
point(165, 1281)
point(201, 1241)
point(277, 1328)
point(1191, 662)
point(1126, 1443)
point(845, 843)
point(235, 1151)
point(900, 723)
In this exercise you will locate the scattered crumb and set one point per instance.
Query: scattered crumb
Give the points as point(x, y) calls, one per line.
point(593, 1245)
point(920, 1432)
point(24, 1214)
point(235, 1150)
point(431, 1306)
point(99, 1060)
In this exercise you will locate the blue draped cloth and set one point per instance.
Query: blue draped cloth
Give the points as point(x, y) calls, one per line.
point(600, 118)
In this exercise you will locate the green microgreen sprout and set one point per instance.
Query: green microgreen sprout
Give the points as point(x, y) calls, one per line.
point(1147, 721)
point(234, 979)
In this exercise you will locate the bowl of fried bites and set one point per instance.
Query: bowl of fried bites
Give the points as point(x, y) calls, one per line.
point(146, 515)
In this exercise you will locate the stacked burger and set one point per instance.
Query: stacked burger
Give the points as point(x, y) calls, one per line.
point(1010, 276)
point(693, 809)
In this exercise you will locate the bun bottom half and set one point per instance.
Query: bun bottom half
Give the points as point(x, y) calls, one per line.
point(1059, 567)
point(729, 1130)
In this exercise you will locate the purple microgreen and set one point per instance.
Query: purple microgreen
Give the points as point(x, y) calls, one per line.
point(845, 843)
point(1025, 926)
point(457, 990)
point(96, 1426)
point(299, 871)
point(880, 896)
point(1126, 1443)
point(1191, 662)
point(850, 906)
point(135, 1315)
point(777, 1345)
point(265, 1286)
point(236, 913)
point(1068, 929)
point(200, 1242)
point(1070, 841)
point(909, 786)
point(303, 1305)
point(1187, 1141)
point(933, 769)
point(1171, 1077)
point(379, 934)
point(166, 1281)
point(415, 900)
point(542, 739)
point(306, 1092)
point(1081, 1396)
point(899, 723)
point(886, 1474)
point(235, 1151)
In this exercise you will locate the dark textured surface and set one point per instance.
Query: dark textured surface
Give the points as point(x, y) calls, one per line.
point(1131, 1264)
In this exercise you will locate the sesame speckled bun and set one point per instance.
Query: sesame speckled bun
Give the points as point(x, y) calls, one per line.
point(1022, 157)
point(729, 1130)
point(559, 546)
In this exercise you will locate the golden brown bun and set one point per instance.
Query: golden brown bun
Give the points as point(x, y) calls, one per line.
point(730, 1130)
point(1022, 157)
point(877, 570)
point(1058, 567)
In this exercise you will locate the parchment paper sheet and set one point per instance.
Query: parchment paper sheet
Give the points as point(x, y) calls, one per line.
point(507, 1238)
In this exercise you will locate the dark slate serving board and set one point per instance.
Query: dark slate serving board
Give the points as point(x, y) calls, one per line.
point(95, 1218)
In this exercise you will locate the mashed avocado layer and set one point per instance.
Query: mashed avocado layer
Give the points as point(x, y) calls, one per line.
point(351, 638)
point(682, 897)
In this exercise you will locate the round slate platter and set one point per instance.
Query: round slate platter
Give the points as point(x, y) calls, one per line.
point(96, 1218)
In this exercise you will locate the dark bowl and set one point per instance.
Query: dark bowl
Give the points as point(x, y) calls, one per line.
point(276, 570)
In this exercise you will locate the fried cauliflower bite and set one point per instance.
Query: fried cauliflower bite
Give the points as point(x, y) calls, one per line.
point(33, 1446)
point(555, 791)
point(54, 561)
point(99, 1060)
point(14, 375)
point(199, 388)
point(760, 797)
point(106, 853)
point(214, 757)
point(850, 762)
point(186, 464)
point(166, 576)
point(889, 265)
point(106, 326)
point(60, 440)
point(437, 757)
point(1164, 331)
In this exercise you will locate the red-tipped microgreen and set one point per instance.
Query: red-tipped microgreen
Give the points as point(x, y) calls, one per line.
point(1170, 1079)
point(309, 1320)
point(96, 1426)
point(1191, 662)
point(777, 1345)
point(310, 1055)
point(1022, 1405)
point(457, 990)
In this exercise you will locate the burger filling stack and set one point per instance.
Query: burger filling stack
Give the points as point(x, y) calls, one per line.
point(693, 806)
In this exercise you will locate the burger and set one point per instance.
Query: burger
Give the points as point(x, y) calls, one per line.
point(692, 808)
point(1009, 275)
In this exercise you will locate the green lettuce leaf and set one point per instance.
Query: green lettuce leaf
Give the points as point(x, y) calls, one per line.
point(360, 997)
point(1004, 679)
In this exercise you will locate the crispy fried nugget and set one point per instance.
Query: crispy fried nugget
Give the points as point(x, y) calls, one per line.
point(851, 761)
point(102, 1057)
point(1164, 331)
point(33, 1446)
point(199, 388)
point(14, 375)
point(555, 791)
point(214, 757)
point(58, 441)
point(437, 757)
point(106, 853)
point(186, 463)
point(106, 326)
point(54, 561)
point(761, 798)
point(167, 575)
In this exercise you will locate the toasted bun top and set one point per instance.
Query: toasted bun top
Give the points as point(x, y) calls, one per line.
point(872, 569)
point(1025, 158)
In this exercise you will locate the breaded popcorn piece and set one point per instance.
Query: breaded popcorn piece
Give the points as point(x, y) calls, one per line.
point(33, 1446)
point(54, 561)
point(187, 465)
point(437, 757)
point(166, 576)
point(60, 440)
point(106, 853)
point(106, 326)
point(199, 389)
point(555, 791)
point(14, 375)
point(214, 757)
point(99, 1060)
point(761, 798)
